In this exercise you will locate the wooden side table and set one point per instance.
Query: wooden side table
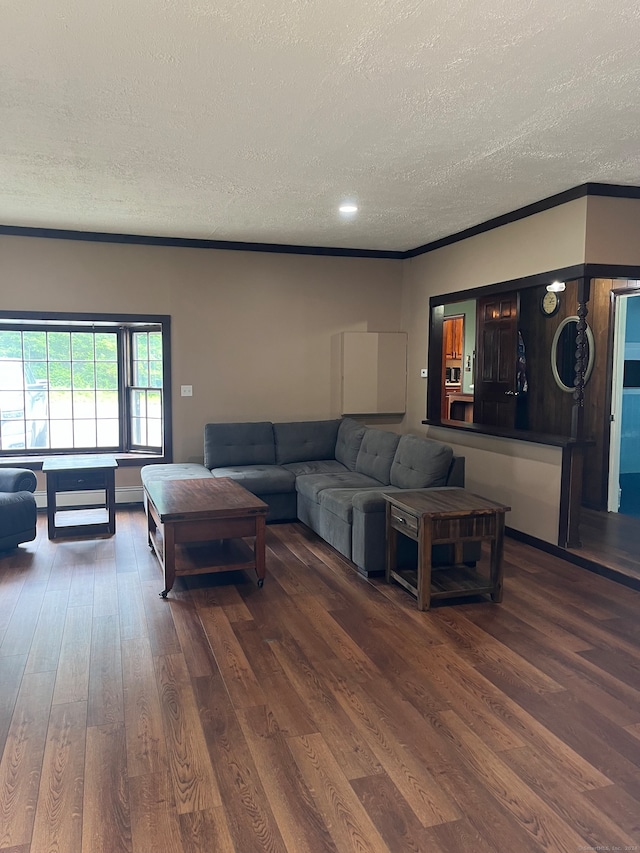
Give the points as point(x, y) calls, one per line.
point(95, 472)
point(445, 517)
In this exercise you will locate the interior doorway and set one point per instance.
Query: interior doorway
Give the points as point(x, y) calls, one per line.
point(624, 448)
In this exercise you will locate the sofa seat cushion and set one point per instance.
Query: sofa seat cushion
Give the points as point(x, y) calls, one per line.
point(350, 435)
point(376, 454)
point(319, 466)
point(340, 502)
point(372, 500)
point(239, 444)
point(259, 479)
point(420, 463)
point(173, 471)
point(310, 485)
point(304, 441)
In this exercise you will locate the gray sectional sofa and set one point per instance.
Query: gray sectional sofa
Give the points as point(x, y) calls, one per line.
point(18, 514)
point(330, 474)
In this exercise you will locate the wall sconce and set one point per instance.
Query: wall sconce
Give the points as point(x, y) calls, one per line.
point(556, 287)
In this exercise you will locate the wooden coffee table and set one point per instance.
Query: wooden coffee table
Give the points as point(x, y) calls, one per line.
point(199, 526)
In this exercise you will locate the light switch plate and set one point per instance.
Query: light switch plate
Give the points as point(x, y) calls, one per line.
point(186, 390)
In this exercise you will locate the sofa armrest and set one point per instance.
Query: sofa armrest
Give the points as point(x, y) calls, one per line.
point(372, 500)
point(456, 472)
point(17, 480)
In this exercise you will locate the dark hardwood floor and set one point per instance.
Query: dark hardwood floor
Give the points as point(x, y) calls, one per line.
point(610, 540)
point(320, 713)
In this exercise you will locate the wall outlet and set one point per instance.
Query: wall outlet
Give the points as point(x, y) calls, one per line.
point(186, 390)
point(424, 373)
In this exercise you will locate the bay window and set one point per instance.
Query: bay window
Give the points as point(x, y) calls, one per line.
point(84, 383)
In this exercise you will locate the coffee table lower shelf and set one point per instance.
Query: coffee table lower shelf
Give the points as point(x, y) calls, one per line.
point(198, 558)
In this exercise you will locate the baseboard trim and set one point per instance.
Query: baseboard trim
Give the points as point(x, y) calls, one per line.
point(576, 559)
point(124, 495)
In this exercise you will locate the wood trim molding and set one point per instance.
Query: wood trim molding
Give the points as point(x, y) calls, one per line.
point(593, 189)
point(193, 243)
point(572, 557)
point(563, 274)
point(588, 189)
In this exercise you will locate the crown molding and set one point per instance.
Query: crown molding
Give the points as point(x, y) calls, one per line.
point(194, 243)
point(589, 189)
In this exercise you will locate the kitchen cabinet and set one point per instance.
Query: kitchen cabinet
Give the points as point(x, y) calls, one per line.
point(453, 337)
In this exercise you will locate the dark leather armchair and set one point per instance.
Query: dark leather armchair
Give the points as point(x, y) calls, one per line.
point(17, 507)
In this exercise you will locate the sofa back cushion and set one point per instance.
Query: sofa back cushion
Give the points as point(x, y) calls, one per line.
point(239, 444)
point(420, 463)
point(376, 454)
point(350, 435)
point(304, 441)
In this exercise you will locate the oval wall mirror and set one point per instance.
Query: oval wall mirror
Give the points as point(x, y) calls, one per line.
point(563, 354)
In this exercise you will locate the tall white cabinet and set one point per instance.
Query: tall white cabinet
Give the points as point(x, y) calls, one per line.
point(369, 373)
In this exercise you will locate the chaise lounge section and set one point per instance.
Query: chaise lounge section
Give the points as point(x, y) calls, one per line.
point(329, 474)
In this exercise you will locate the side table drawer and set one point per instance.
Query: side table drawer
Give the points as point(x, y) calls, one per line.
point(401, 520)
point(68, 481)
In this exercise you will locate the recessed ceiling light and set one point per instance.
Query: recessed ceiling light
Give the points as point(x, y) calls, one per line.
point(556, 287)
point(348, 208)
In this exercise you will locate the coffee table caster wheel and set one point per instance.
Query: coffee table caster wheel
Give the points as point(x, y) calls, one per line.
point(260, 583)
point(164, 593)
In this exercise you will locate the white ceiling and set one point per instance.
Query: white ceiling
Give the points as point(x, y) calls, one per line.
point(253, 120)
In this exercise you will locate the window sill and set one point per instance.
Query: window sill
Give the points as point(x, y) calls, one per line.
point(517, 434)
point(125, 460)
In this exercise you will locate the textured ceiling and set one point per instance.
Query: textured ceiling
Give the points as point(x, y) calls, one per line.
point(253, 120)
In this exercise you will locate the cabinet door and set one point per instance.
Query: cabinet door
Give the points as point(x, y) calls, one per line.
point(452, 337)
point(448, 339)
point(457, 337)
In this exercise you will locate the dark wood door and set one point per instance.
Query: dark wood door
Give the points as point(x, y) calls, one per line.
point(496, 360)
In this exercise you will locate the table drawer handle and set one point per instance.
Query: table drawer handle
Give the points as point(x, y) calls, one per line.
point(401, 520)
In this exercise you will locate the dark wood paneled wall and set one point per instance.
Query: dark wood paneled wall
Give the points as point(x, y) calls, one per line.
point(549, 408)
